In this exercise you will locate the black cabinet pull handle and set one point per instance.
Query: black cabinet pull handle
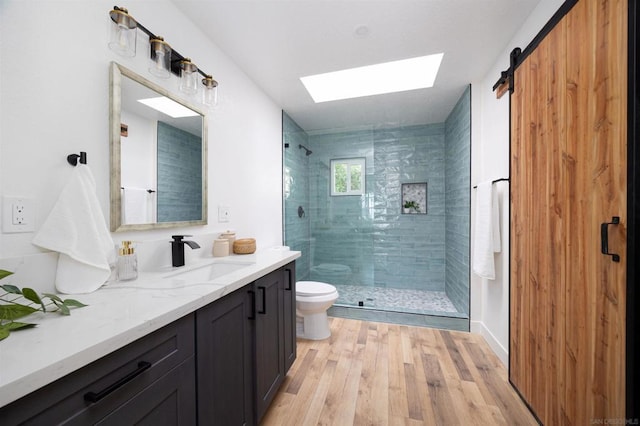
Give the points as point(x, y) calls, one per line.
point(95, 397)
point(288, 288)
point(253, 305)
point(264, 300)
point(604, 238)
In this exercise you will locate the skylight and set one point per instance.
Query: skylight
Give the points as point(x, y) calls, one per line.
point(168, 107)
point(388, 77)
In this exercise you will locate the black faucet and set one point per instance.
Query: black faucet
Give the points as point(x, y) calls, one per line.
point(177, 249)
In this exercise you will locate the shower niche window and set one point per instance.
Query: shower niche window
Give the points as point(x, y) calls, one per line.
point(414, 198)
point(347, 176)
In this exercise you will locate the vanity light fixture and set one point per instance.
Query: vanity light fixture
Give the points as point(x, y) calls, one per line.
point(123, 32)
point(164, 60)
point(188, 77)
point(210, 92)
point(160, 57)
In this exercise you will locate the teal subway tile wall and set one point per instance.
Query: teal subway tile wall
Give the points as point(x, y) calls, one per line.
point(179, 181)
point(365, 240)
point(458, 206)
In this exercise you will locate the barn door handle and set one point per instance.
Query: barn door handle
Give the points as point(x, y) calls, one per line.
point(604, 238)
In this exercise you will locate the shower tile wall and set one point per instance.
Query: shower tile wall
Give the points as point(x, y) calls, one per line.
point(368, 233)
point(296, 194)
point(457, 183)
point(409, 249)
point(179, 188)
point(342, 226)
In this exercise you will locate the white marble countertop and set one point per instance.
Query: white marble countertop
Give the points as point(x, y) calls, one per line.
point(118, 314)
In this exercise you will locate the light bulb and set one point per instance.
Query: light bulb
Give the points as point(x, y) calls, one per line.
point(210, 92)
point(123, 32)
point(188, 77)
point(160, 57)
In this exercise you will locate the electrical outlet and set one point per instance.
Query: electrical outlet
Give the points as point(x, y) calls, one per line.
point(18, 214)
point(224, 214)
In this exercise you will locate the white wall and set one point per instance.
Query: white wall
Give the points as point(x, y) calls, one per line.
point(490, 160)
point(54, 101)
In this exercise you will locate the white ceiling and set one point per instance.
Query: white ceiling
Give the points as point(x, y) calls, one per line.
point(277, 42)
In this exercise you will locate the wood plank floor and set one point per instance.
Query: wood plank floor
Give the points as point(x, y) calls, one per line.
point(371, 373)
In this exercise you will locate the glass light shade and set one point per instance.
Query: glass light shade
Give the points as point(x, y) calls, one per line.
point(160, 57)
point(188, 77)
point(210, 92)
point(123, 34)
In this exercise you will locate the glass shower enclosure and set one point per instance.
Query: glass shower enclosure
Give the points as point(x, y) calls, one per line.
point(383, 214)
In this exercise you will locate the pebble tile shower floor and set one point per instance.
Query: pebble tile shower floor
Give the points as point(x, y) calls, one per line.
point(393, 299)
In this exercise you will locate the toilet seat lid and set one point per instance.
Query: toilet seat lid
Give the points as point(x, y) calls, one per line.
point(313, 288)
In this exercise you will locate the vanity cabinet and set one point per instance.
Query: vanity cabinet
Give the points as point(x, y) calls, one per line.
point(289, 306)
point(269, 340)
point(150, 381)
point(246, 345)
point(221, 365)
point(224, 331)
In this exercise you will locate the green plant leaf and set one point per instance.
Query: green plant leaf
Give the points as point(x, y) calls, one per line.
point(30, 294)
point(4, 274)
point(14, 311)
point(18, 325)
point(4, 333)
point(11, 289)
point(64, 310)
point(52, 297)
point(74, 303)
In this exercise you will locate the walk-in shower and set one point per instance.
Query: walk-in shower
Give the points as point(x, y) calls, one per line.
point(385, 217)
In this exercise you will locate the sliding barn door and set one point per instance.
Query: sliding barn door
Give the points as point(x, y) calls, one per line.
point(568, 178)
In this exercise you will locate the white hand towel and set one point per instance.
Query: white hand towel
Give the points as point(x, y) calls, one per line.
point(135, 205)
point(76, 228)
point(487, 231)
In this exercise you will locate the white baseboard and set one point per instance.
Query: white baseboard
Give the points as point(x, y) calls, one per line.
point(478, 327)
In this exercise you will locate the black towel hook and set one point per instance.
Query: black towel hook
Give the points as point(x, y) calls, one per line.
point(73, 158)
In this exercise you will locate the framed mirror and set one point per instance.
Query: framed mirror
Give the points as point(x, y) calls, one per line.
point(158, 156)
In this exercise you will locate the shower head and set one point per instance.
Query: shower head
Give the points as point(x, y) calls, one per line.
point(308, 151)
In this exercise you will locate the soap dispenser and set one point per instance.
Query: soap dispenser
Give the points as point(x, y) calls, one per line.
point(127, 266)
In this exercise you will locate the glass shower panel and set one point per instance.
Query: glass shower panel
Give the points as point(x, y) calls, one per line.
point(342, 225)
point(297, 234)
point(344, 211)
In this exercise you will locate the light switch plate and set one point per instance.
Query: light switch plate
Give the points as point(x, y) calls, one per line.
point(18, 214)
point(224, 214)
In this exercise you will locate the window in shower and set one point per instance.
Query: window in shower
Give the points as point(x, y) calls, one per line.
point(347, 176)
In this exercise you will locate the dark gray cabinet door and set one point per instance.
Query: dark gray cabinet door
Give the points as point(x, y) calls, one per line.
point(224, 360)
point(289, 298)
point(171, 400)
point(103, 392)
point(269, 349)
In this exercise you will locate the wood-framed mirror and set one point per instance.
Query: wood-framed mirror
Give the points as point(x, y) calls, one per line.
point(158, 156)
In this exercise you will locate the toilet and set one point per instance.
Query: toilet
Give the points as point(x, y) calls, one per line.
point(313, 298)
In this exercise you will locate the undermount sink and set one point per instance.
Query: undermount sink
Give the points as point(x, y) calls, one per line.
point(208, 272)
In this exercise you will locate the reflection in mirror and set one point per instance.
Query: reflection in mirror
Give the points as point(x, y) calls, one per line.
point(158, 156)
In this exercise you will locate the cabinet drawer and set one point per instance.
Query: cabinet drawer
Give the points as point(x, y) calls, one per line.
point(110, 381)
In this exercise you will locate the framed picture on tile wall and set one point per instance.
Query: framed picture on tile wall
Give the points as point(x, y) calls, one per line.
point(414, 198)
